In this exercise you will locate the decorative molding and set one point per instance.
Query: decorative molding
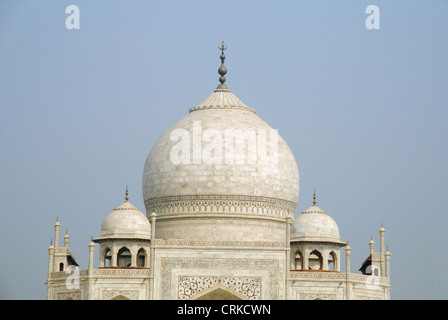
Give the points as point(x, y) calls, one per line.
point(317, 296)
point(306, 275)
point(103, 272)
point(368, 297)
point(211, 243)
point(227, 107)
point(70, 295)
point(220, 220)
point(169, 264)
point(249, 287)
point(110, 294)
point(62, 251)
point(335, 275)
point(229, 204)
point(121, 272)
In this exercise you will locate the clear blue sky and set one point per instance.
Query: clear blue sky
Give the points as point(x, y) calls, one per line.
point(364, 112)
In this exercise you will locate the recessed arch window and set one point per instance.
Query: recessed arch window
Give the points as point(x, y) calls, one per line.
point(141, 258)
point(61, 266)
point(124, 257)
point(376, 272)
point(298, 261)
point(107, 257)
point(332, 260)
point(315, 260)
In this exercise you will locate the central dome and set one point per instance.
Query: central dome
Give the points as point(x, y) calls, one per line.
point(221, 173)
point(244, 172)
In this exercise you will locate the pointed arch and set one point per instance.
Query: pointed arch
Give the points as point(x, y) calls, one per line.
point(298, 260)
point(219, 292)
point(332, 261)
point(315, 260)
point(124, 257)
point(141, 258)
point(120, 297)
point(107, 258)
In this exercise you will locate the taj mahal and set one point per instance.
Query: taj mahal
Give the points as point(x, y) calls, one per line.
point(220, 189)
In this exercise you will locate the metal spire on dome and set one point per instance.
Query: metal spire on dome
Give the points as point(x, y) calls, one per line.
point(314, 198)
point(126, 193)
point(222, 69)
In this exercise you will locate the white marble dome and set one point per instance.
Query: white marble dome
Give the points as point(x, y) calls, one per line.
point(314, 224)
point(209, 181)
point(124, 222)
point(220, 112)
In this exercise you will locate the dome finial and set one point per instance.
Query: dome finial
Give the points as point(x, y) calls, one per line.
point(222, 69)
point(314, 198)
point(126, 193)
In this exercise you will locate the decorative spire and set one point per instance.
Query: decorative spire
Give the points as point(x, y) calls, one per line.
point(314, 198)
point(222, 69)
point(126, 193)
point(347, 247)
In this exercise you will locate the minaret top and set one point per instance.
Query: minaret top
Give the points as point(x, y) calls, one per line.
point(222, 69)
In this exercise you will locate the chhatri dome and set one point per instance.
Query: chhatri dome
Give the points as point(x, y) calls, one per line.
point(125, 221)
point(314, 224)
point(224, 167)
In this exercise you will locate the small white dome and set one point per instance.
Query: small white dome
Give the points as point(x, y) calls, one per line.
point(126, 221)
point(314, 224)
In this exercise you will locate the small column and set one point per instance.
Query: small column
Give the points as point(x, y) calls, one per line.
point(347, 272)
point(134, 256)
point(113, 255)
point(50, 267)
point(306, 256)
point(91, 250)
point(338, 261)
point(66, 238)
point(382, 231)
point(387, 257)
point(152, 254)
point(325, 256)
point(102, 256)
point(50, 258)
point(371, 245)
point(347, 258)
point(288, 254)
point(90, 292)
point(57, 226)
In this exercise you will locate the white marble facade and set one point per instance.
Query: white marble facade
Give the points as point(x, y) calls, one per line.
point(218, 225)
